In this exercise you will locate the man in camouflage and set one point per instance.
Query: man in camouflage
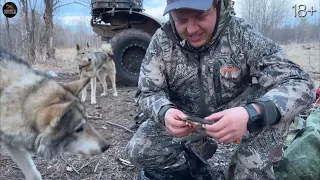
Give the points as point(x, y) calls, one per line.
point(201, 63)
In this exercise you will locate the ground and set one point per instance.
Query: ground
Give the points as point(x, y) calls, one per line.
point(120, 110)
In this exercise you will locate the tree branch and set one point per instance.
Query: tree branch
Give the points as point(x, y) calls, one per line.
point(74, 2)
point(61, 6)
point(75, 170)
point(56, 2)
point(118, 125)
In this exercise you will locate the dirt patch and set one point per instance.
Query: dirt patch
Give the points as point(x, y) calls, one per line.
point(120, 110)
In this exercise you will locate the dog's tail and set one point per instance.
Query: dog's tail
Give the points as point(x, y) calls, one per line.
point(107, 48)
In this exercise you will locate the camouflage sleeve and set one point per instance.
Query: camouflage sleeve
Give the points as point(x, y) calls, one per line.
point(152, 85)
point(289, 87)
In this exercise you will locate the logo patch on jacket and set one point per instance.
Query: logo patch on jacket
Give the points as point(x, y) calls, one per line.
point(230, 72)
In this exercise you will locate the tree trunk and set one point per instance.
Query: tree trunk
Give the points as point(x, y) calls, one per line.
point(8, 32)
point(32, 36)
point(30, 44)
point(23, 29)
point(48, 18)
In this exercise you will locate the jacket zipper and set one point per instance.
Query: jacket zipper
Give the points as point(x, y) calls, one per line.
point(203, 109)
point(216, 82)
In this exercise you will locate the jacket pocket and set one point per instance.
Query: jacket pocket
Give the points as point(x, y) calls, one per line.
point(226, 83)
point(231, 83)
point(230, 77)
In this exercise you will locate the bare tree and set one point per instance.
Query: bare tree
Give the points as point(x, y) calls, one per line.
point(8, 31)
point(29, 30)
point(264, 14)
point(48, 18)
point(50, 7)
point(23, 28)
point(32, 37)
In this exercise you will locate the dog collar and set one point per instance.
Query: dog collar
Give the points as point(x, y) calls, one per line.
point(81, 67)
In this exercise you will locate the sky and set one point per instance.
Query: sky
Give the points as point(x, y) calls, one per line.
point(74, 14)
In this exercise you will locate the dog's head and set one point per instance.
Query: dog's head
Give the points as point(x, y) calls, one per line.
point(62, 123)
point(84, 55)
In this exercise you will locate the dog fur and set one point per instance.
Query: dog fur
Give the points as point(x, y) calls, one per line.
point(96, 64)
point(40, 115)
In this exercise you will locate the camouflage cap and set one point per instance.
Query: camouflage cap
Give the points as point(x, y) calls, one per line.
point(190, 4)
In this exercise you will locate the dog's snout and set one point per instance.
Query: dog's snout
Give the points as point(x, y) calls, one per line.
point(105, 147)
point(89, 60)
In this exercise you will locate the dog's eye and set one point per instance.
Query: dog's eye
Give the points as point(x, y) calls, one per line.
point(80, 129)
point(82, 53)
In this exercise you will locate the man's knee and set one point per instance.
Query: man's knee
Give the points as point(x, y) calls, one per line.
point(250, 165)
point(241, 171)
point(146, 153)
point(149, 146)
point(134, 152)
point(256, 154)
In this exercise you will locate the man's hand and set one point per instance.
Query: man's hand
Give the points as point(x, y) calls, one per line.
point(174, 124)
point(231, 125)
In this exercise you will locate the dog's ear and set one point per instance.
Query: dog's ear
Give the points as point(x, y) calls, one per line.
point(87, 44)
point(76, 86)
point(51, 115)
point(78, 47)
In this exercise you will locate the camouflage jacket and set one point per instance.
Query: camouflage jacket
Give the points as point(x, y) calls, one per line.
point(172, 74)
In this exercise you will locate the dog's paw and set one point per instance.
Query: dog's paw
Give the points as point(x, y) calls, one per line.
point(103, 94)
point(93, 102)
point(83, 100)
point(115, 94)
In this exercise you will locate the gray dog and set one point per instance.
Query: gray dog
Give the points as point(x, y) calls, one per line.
point(97, 64)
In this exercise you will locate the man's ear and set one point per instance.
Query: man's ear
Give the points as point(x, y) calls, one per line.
point(78, 47)
point(51, 114)
point(76, 86)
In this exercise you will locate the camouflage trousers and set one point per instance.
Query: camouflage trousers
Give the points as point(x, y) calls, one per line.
point(253, 158)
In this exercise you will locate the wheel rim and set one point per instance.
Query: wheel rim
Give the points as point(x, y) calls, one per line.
point(132, 56)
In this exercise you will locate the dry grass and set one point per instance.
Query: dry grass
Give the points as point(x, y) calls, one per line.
point(309, 60)
point(64, 62)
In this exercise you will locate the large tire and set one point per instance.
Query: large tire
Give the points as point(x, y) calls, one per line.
point(129, 48)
